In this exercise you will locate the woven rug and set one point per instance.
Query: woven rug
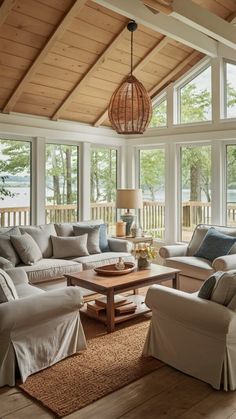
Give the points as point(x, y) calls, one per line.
point(109, 363)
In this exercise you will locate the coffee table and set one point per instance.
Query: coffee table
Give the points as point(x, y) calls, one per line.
point(111, 285)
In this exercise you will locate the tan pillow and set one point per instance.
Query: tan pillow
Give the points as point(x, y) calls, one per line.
point(93, 237)
point(66, 247)
point(27, 248)
point(42, 236)
point(7, 251)
point(225, 288)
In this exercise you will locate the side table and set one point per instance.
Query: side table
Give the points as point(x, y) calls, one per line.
point(136, 240)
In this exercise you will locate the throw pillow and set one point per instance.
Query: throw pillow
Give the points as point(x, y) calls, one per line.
point(103, 242)
point(5, 264)
point(215, 244)
point(27, 248)
point(93, 237)
point(207, 287)
point(225, 288)
point(7, 288)
point(42, 236)
point(7, 251)
point(67, 247)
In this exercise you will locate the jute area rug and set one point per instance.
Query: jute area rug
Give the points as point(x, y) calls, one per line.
point(109, 363)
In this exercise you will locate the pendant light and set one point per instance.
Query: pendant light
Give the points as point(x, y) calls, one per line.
point(130, 107)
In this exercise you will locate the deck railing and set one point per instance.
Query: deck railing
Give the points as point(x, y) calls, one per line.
point(152, 216)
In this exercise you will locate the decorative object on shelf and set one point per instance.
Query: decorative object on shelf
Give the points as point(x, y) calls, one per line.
point(120, 228)
point(135, 231)
point(144, 254)
point(130, 107)
point(128, 199)
point(120, 265)
point(110, 270)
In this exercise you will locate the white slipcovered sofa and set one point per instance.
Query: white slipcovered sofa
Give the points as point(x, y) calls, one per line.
point(48, 270)
point(181, 256)
point(38, 328)
point(194, 335)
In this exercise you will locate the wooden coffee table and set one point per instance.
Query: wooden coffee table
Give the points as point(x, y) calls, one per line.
point(110, 286)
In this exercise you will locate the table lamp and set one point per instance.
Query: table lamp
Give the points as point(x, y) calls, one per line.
point(128, 199)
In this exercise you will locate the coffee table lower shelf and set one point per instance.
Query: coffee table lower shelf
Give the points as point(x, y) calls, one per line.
point(102, 317)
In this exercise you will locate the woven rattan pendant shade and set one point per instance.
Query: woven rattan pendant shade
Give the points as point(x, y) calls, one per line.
point(130, 107)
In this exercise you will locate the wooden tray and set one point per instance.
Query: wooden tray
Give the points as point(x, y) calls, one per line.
point(110, 270)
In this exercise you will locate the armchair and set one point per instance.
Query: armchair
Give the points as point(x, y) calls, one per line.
point(181, 256)
point(38, 329)
point(195, 336)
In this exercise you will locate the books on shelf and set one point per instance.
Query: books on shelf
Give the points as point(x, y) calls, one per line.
point(118, 300)
point(126, 309)
point(95, 308)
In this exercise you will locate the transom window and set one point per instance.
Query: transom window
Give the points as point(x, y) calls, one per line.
point(159, 115)
point(194, 99)
point(230, 90)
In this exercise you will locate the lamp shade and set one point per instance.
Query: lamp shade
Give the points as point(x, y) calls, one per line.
point(129, 198)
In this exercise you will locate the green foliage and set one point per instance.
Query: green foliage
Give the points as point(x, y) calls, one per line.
point(3, 190)
point(194, 104)
point(152, 171)
point(159, 116)
point(103, 172)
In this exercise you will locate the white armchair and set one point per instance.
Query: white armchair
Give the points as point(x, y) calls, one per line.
point(38, 329)
point(194, 335)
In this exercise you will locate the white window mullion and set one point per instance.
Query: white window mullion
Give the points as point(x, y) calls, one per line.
point(84, 189)
point(218, 195)
point(38, 181)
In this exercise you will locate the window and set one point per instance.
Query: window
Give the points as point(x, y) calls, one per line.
point(159, 115)
point(103, 186)
point(195, 188)
point(61, 183)
point(231, 185)
point(230, 91)
point(15, 182)
point(152, 183)
point(194, 99)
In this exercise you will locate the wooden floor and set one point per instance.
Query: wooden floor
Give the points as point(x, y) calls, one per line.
point(165, 393)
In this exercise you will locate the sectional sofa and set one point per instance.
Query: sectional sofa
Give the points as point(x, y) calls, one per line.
point(47, 252)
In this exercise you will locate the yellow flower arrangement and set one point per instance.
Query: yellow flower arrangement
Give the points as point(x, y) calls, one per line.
point(144, 253)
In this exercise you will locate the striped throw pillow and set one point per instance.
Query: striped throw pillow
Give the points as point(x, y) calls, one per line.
point(7, 288)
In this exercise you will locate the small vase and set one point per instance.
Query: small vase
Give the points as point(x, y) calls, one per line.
point(143, 263)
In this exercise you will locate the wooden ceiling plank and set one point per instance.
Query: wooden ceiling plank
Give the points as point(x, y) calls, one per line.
point(167, 25)
point(5, 9)
point(205, 21)
point(61, 28)
point(89, 73)
point(150, 55)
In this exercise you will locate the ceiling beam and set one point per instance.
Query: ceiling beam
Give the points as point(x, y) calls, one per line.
point(159, 6)
point(61, 28)
point(101, 59)
point(149, 56)
point(5, 9)
point(204, 21)
point(167, 25)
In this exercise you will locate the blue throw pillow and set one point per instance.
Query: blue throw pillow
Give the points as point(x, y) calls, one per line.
point(214, 245)
point(103, 242)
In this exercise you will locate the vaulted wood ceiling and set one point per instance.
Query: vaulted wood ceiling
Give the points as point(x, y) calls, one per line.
point(63, 59)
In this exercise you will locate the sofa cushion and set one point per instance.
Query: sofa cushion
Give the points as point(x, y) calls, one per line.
point(66, 229)
point(214, 245)
point(208, 286)
point(200, 232)
point(7, 288)
point(65, 247)
point(108, 258)
point(7, 250)
point(191, 266)
point(225, 288)
point(5, 263)
point(42, 235)
point(93, 237)
point(27, 248)
point(46, 269)
point(103, 240)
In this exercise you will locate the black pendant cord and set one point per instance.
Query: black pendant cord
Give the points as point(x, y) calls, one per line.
point(132, 35)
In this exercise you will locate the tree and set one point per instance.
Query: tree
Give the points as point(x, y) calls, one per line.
point(159, 116)
point(103, 175)
point(3, 191)
point(152, 171)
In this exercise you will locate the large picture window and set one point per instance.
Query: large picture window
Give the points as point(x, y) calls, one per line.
point(152, 183)
point(194, 99)
point(103, 185)
point(15, 182)
point(195, 188)
point(61, 183)
point(231, 185)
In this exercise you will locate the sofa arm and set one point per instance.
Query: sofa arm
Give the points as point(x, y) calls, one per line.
point(18, 275)
point(190, 310)
point(173, 250)
point(119, 245)
point(224, 263)
point(36, 309)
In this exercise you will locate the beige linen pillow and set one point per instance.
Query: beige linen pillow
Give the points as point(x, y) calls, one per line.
point(225, 288)
point(42, 236)
point(93, 237)
point(27, 248)
point(7, 251)
point(7, 288)
point(66, 247)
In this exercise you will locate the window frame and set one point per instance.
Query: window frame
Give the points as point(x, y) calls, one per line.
point(157, 102)
point(225, 108)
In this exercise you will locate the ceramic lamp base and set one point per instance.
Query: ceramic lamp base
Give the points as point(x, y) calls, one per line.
point(128, 219)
